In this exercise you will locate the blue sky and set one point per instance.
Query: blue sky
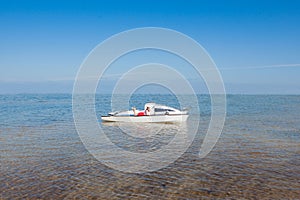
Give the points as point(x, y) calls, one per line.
point(255, 44)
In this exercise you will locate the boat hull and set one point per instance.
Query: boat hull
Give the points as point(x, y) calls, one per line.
point(146, 119)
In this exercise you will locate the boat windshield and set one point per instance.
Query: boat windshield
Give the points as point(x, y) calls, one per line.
point(163, 110)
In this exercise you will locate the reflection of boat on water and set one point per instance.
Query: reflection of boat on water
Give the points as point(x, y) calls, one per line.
point(165, 130)
point(157, 113)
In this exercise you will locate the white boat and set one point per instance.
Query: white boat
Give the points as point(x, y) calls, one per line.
point(157, 113)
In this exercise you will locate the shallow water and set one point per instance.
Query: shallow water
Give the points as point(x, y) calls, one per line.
point(257, 156)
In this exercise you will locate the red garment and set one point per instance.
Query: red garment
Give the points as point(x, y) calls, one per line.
point(141, 114)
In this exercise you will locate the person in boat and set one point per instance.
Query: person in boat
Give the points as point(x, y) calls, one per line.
point(134, 111)
point(146, 112)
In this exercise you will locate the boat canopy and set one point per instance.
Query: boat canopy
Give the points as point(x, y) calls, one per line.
point(159, 109)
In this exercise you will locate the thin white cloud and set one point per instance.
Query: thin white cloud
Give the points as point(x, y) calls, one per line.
point(261, 67)
point(108, 76)
point(118, 75)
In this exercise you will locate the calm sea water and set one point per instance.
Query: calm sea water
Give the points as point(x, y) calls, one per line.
point(257, 156)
